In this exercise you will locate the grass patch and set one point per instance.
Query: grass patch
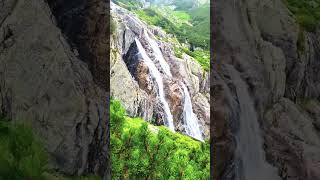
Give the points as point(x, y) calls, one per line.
point(142, 151)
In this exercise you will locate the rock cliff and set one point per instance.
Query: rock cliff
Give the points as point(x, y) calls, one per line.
point(261, 40)
point(55, 79)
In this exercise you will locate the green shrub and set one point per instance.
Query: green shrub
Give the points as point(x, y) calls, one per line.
point(23, 157)
point(307, 12)
point(142, 151)
point(21, 154)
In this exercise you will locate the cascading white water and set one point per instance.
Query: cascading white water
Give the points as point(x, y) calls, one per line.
point(191, 120)
point(158, 78)
point(252, 164)
point(158, 54)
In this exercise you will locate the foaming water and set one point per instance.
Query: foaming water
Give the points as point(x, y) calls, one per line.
point(190, 119)
point(158, 78)
point(158, 54)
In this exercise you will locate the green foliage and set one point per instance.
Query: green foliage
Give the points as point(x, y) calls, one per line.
point(21, 154)
point(176, 17)
point(142, 151)
point(201, 56)
point(192, 27)
point(199, 33)
point(128, 4)
point(183, 5)
point(307, 12)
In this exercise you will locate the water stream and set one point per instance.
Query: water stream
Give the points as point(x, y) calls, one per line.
point(158, 78)
point(251, 164)
point(158, 54)
point(190, 119)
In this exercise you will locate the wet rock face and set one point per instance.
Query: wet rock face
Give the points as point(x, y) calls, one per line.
point(297, 140)
point(224, 114)
point(45, 84)
point(175, 97)
point(125, 88)
point(279, 77)
point(202, 109)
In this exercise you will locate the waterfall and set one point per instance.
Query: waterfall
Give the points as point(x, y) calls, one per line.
point(251, 162)
point(158, 54)
point(190, 119)
point(158, 78)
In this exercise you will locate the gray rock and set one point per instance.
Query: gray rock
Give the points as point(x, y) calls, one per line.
point(259, 39)
point(126, 89)
point(45, 85)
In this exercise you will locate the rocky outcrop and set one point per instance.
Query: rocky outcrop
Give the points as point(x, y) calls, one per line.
point(280, 78)
point(126, 89)
point(45, 84)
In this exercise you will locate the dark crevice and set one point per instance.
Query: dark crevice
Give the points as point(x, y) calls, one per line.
point(85, 24)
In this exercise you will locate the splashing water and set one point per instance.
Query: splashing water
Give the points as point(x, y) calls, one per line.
point(158, 54)
point(190, 119)
point(157, 76)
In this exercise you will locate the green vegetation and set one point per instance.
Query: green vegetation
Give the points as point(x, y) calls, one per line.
point(203, 57)
point(128, 4)
point(142, 151)
point(196, 32)
point(199, 33)
point(307, 12)
point(22, 156)
point(183, 4)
